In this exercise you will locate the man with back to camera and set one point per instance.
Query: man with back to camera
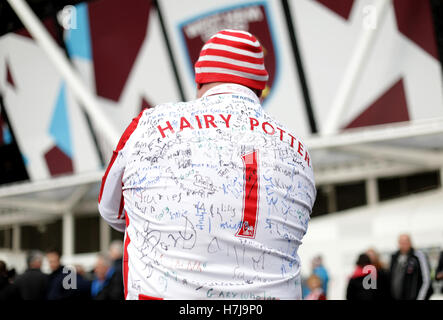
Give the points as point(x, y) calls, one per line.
point(33, 283)
point(214, 195)
point(410, 272)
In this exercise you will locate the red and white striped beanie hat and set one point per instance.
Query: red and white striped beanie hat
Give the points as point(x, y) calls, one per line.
point(232, 56)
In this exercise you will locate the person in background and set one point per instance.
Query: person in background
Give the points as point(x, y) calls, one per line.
point(8, 290)
point(320, 271)
point(356, 289)
point(439, 270)
point(116, 255)
point(383, 291)
point(56, 289)
point(316, 292)
point(81, 270)
point(33, 283)
point(410, 272)
point(55, 280)
point(105, 285)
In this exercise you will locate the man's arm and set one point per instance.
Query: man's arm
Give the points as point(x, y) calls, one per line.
point(110, 199)
point(425, 274)
point(439, 271)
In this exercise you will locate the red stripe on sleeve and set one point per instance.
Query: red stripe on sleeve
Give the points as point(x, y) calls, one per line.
point(114, 156)
point(124, 138)
point(126, 258)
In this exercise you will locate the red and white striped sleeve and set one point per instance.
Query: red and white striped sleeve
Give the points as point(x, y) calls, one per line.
point(110, 199)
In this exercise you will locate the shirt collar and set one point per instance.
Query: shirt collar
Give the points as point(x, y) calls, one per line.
point(230, 88)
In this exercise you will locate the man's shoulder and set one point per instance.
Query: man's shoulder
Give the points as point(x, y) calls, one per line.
point(395, 254)
point(419, 254)
point(31, 274)
point(171, 106)
point(281, 125)
point(58, 273)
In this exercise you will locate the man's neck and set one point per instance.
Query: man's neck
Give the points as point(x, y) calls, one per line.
point(210, 88)
point(223, 88)
point(205, 87)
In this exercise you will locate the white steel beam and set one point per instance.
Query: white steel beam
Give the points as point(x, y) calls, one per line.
point(413, 156)
point(51, 184)
point(45, 205)
point(31, 204)
point(371, 191)
point(16, 238)
point(378, 133)
point(105, 236)
point(62, 64)
point(24, 217)
point(68, 234)
point(363, 171)
point(354, 69)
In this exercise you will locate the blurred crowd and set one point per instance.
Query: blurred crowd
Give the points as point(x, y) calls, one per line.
point(407, 277)
point(104, 282)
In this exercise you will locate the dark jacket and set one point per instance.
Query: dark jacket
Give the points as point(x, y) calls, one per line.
point(356, 290)
point(383, 291)
point(8, 291)
point(32, 284)
point(113, 289)
point(416, 278)
point(56, 291)
point(440, 267)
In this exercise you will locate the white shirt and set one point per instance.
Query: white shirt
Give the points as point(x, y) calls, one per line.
point(214, 197)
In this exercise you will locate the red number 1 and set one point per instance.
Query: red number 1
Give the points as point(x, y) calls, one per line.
point(250, 196)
